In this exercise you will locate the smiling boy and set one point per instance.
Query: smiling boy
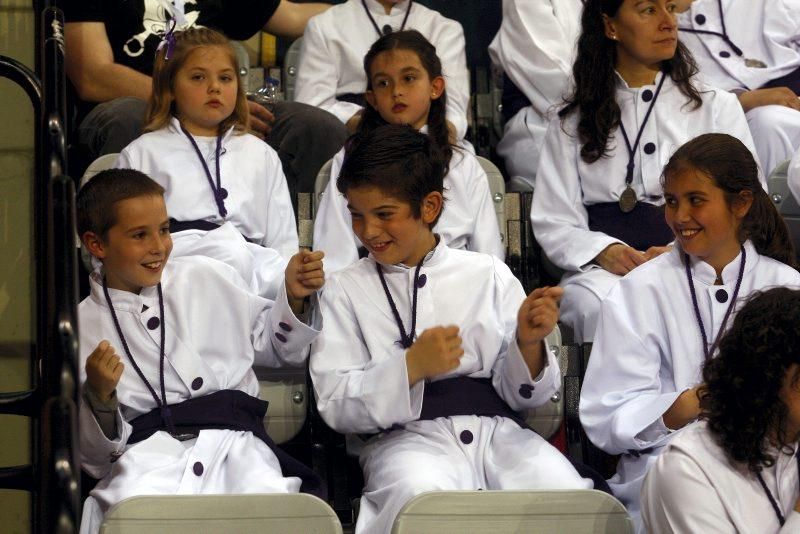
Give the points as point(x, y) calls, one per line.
point(444, 401)
point(168, 391)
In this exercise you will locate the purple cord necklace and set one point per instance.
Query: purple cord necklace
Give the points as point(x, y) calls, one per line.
point(219, 192)
point(406, 340)
point(709, 351)
point(166, 415)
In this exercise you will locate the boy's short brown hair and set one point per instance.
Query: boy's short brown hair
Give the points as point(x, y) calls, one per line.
point(96, 201)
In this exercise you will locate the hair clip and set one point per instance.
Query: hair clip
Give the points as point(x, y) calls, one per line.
point(169, 40)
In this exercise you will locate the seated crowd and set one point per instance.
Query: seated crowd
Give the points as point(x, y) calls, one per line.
point(647, 135)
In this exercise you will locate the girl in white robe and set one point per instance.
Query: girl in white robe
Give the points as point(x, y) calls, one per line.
point(737, 469)
point(441, 403)
point(469, 222)
point(196, 316)
point(596, 211)
point(535, 48)
point(331, 76)
point(225, 188)
point(661, 321)
point(753, 50)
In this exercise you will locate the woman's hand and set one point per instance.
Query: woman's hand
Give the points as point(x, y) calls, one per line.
point(620, 259)
point(778, 96)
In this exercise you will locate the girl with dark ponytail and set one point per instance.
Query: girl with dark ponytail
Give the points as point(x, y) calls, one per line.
point(405, 85)
point(597, 208)
point(663, 320)
point(737, 470)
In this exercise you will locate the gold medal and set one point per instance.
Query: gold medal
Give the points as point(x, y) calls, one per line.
point(627, 200)
point(755, 63)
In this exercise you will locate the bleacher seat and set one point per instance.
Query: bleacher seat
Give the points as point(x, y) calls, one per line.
point(286, 391)
point(100, 164)
point(501, 512)
point(291, 62)
point(218, 514)
point(784, 201)
point(497, 188)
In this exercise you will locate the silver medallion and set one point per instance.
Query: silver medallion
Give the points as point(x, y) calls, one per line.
point(627, 200)
point(755, 63)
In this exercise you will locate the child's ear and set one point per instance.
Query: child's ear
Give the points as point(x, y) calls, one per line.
point(742, 204)
point(437, 87)
point(94, 245)
point(369, 96)
point(432, 207)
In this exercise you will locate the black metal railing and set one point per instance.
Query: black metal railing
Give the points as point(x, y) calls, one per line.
point(53, 478)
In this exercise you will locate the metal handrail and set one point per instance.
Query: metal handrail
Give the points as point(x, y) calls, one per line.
point(54, 477)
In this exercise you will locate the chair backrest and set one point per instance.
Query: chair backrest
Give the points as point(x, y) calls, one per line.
point(323, 177)
point(100, 164)
point(500, 512)
point(291, 61)
point(286, 391)
point(547, 418)
point(784, 201)
point(497, 188)
point(218, 514)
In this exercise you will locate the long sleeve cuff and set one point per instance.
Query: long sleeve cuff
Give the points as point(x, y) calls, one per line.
point(522, 391)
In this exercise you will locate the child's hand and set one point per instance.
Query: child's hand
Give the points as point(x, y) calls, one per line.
point(304, 275)
point(538, 315)
point(436, 351)
point(103, 370)
point(620, 259)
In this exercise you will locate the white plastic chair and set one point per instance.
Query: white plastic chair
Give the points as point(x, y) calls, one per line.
point(291, 62)
point(501, 512)
point(221, 514)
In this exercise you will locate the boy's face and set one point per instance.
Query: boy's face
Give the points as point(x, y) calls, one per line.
point(388, 228)
point(137, 246)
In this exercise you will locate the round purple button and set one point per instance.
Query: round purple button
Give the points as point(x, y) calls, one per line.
point(197, 383)
point(197, 468)
point(153, 323)
point(466, 437)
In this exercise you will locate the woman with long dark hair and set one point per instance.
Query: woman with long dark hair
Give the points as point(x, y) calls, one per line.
point(597, 207)
point(737, 469)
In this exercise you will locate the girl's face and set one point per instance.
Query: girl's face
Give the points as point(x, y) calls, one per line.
point(205, 89)
point(645, 31)
point(402, 90)
point(704, 223)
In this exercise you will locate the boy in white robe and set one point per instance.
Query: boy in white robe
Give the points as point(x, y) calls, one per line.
point(168, 391)
point(442, 403)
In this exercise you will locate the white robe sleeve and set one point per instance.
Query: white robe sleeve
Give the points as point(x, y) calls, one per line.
point(451, 47)
point(558, 217)
point(97, 451)
point(729, 118)
point(510, 374)
point(279, 336)
point(281, 231)
point(333, 232)
point(537, 58)
point(678, 498)
point(622, 402)
point(358, 391)
point(318, 74)
point(124, 160)
point(485, 232)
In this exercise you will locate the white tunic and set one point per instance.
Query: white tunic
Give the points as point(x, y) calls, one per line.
point(468, 220)
point(361, 382)
point(535, 47)
point(258, 201)
point(336, 41)
point(694, 487)
point(767, 31)
point(208, 348)
point(648, 350)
